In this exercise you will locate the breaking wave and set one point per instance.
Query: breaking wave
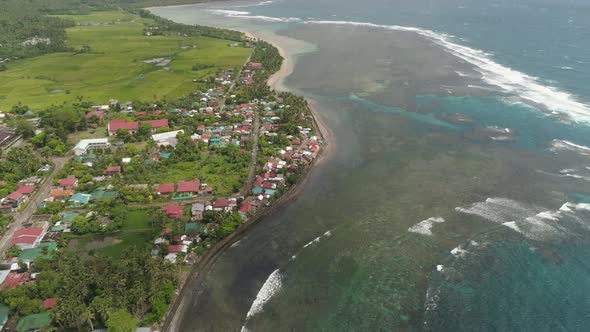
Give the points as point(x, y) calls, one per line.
point(511, 81)
point(561, 145)
point(534, 222)
point(425, 226)
point(271, 286)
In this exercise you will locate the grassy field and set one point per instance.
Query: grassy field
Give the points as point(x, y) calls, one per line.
point(115, 66)
point(136, 232)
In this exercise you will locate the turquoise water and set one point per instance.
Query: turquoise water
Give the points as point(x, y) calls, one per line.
point(419, 220)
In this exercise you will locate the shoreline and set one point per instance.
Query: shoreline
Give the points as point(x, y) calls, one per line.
point(199, 270)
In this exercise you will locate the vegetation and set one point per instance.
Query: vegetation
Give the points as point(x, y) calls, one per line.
point(102, 291)
point(26, 32)
point(168, 27)
point(20, 163)
point(115, 72)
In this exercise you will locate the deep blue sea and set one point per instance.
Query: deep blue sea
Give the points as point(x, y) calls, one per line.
point(442, 209)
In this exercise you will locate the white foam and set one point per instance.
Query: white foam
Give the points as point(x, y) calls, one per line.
point(316, 240)
point(458, 252)
point(425, 226)
point(513, 225)
point(582, 206)
point(440, 268)
point(271, 286)
point(565, 207)
point(531, 221)
point(236, 244)
point(328, 233)
point(557, 145)
point(498, 210)
point(512, 81)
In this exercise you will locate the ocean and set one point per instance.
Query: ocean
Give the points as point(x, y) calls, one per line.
point(457, 197)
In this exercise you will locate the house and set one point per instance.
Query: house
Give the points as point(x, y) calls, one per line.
point(43, 250)
point(221, 205)
point(28, 237)
point(191, 227)
point(188, 187)
point(167, 138)
point(16, 198)
point(117, 124)
point(111, 170)
point(79, 199)
point(86, 144)
point(173, 211)
point(245, 209)
point(254, 65)
point(3, 315)
point(97, 114)
point(34, 322)
point(132, 126)
point(14, 279)
point(68, 183)
point(177, 248)
point(49, 303)
point(58, 194)
point(165, 189)
point(197, 211)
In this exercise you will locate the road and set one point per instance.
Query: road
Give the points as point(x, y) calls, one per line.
point(252, 169)
point(38, 196)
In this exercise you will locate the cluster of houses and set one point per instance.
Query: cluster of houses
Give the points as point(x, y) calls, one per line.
point(25, 188)
point(32, 244)
point(66, 191)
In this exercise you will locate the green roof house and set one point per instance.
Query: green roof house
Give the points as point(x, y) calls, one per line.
point(33, 322)
point(79, 199)
point(3, 315)
point(191, 226)
point(69, 216)
point(44, 250)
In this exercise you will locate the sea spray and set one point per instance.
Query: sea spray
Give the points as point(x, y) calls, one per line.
point(271, 286)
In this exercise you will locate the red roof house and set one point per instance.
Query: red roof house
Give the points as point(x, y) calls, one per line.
point(27, 237)
point(26, 189)
point(245, 208)
point(254, 65)
point(166, 231)
point(177, 248)
point(14, 279)
point(165, 189)
point(132, 126)
point(156, 124)
point(112, 170)
point(49, 303)
point(220, 204)
point(70, 182)
point(189, 186)
point(117, 124)
point(98, 114)
point(173, 211)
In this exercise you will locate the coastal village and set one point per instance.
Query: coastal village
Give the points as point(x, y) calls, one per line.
point(169, 181)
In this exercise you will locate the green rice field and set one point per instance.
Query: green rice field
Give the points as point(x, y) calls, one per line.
point(115, 66)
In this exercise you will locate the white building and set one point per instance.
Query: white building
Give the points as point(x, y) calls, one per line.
point(86, 144)
point(167, 138)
